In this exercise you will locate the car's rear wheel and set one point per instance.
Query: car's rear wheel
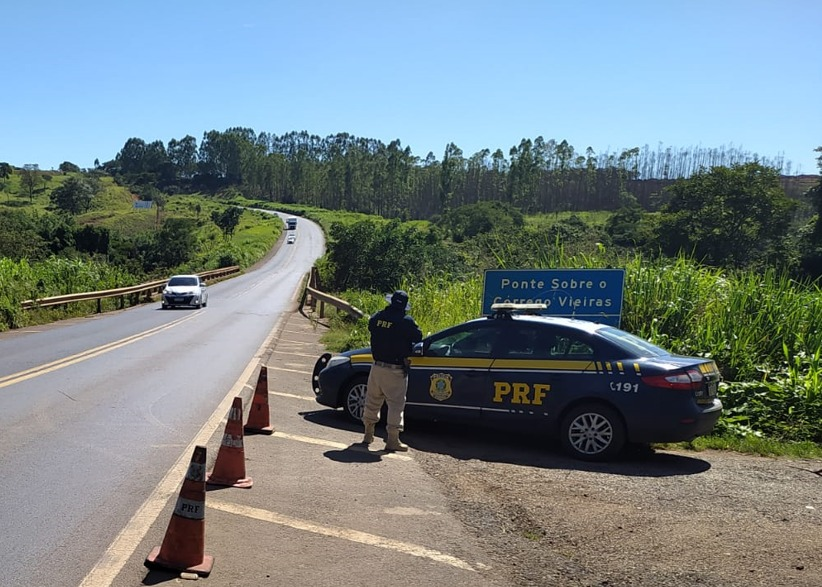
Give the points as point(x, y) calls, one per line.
point(592, 432)
point(354, 398)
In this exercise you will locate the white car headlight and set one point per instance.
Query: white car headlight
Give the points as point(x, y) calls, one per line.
point(338, 360)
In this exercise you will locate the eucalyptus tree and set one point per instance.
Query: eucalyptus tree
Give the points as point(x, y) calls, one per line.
point(524, 176)
point(452, 175)
point(182, 155)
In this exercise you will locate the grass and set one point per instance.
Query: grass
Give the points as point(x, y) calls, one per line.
point(591, 218)
point(751, 445)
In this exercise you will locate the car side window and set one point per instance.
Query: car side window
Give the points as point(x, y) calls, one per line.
point(529, 341)
point(521, 342)
point(469, 343)
point(570, 347)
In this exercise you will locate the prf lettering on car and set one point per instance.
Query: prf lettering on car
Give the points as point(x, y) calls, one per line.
point(518, 393)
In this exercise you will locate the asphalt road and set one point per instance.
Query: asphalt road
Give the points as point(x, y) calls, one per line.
point(94, 412)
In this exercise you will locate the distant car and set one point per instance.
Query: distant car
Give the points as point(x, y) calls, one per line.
point(185, 290)
point(290, 239)
point(594, 386)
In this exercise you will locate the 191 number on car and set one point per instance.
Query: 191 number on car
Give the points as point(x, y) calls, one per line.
point(624, 386)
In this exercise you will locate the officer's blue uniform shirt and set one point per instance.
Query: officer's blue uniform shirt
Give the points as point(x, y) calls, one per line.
point(393, 334)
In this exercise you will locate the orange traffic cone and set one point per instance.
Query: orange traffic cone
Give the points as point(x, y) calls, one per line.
point(258, 417)
point(184, 543)
point(229, 468)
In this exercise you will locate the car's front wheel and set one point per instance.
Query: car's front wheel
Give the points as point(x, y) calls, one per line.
point(354, 398)
point(592, 432)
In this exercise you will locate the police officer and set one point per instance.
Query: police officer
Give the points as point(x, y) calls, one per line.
point(393, 334)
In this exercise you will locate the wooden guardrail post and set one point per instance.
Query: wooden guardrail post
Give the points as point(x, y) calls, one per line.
point(313, 282)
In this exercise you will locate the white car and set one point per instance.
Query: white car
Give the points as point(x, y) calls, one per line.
point(290, 239)
point(185, 290)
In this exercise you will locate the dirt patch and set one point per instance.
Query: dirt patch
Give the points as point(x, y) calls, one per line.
point(668, 518)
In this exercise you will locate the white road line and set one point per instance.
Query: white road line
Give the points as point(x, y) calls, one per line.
point(342, 533)
point(292, 354)
point(341, 446)
point(290, 370)
point(87, 354)
point(292, 395)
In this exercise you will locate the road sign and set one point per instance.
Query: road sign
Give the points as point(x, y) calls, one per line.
point(585, 294)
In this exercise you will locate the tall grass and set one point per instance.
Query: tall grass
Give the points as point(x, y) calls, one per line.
point(21, 280)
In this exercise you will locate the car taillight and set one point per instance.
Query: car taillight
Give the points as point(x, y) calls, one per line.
point(688, 380)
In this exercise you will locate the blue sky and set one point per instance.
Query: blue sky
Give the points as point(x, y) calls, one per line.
point(81, 78)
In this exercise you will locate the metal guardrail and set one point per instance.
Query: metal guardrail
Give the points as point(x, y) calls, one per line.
point(134, 290)
point(325, 298)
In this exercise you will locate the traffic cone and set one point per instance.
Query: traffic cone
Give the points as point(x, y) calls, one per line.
point(229, 468)
point(258, 417)
point(184, 543)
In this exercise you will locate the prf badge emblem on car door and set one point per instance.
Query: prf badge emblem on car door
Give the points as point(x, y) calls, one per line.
point(440, 388)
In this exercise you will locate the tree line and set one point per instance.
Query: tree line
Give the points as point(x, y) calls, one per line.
point(345, 172)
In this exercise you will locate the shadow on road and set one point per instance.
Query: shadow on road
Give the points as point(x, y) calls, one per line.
point(532, 450)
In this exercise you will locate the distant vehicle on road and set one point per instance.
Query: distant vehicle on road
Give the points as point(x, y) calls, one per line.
point(289, 240)
point(291, 222)
point(185, 290)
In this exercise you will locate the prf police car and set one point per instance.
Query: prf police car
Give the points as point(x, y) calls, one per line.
point(596, 386)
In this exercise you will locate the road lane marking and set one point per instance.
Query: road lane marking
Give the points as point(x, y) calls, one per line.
point(342, 533)
point(301, 372)
point(7, 380)
point(293, 354)
point(117, 555)
point(292, 395)
point(341, 446)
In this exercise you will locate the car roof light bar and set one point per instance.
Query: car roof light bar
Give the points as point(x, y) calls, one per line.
point(506, 309)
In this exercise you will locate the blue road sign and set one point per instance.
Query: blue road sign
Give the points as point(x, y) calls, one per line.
point(585, 294)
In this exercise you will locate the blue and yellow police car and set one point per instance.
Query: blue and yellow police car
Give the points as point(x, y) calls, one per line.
point(594, 386)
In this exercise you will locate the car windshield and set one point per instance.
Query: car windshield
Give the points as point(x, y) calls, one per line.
point(182, 281)
point(632, 344)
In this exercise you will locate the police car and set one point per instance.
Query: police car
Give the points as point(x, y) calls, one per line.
point(594, 386)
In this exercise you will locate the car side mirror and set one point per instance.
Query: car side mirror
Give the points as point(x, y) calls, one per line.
point(417, 350)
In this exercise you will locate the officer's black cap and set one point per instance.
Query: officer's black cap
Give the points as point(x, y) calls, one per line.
point(399, 299)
